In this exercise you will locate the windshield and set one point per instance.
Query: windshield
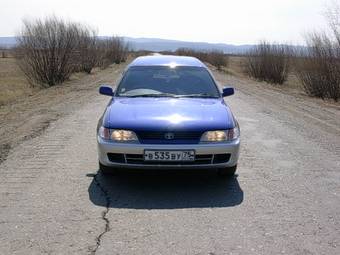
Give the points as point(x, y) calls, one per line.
point(164, 81)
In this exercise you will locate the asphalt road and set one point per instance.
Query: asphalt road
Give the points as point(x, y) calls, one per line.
point(285, 199)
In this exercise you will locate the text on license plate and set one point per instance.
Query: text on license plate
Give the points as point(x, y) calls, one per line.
point(155, 155)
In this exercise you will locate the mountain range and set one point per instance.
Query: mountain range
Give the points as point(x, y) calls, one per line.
point(156, 44)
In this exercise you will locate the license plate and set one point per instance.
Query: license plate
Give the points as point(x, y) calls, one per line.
point(155, 155)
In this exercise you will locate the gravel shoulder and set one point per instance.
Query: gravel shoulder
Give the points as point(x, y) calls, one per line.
point(286, 198)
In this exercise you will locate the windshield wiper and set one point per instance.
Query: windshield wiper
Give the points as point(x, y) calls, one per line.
point(152, 95)
point(200, 95)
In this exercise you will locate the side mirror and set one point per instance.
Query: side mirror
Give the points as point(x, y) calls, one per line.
point(227, 91)
point(105, 90)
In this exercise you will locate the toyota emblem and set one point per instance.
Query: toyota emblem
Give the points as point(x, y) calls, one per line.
point(169, 136)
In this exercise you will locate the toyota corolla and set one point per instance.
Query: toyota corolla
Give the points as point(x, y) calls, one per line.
point(168, 112)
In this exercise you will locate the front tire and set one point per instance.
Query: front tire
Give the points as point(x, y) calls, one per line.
point(227, 171)
point(107, 170)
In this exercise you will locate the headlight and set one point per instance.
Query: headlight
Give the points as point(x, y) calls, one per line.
point(221, 135)
point(117, 135)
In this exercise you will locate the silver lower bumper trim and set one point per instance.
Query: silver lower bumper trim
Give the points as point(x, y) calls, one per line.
point(105, 147)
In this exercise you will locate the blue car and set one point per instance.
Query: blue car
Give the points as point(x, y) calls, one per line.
point(167, 112)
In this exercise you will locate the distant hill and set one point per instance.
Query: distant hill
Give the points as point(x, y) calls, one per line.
point(156, 44)
point(7, 42)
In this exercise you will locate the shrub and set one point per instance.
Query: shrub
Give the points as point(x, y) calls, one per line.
point(268, 62)
point(201, 55)
point(218, 59)
point(112, 50)
point(319, 70)
point(215, 57)
point(87, 49)
point(45, 50)
point(3, 53)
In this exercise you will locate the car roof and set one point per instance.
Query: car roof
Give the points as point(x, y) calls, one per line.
point(166, 60)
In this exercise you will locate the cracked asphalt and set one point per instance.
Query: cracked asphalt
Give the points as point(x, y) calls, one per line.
point(285, 199)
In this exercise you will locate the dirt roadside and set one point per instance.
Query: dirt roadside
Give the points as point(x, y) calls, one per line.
point(28, 117)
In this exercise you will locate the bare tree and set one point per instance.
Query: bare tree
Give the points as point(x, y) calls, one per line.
point(46, 48)
point(112, 50)
point(268, 62)
point(332, 15)
point(218, 59)
point(319, 68)
point(87, 49)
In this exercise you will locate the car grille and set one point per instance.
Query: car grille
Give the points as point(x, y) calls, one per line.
point(151, 137)
point(138, 159)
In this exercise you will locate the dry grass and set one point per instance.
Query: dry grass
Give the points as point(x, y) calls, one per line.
point(13, 83)
point(237, 65)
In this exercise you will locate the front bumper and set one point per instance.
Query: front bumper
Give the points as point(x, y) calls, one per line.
point(137, 149)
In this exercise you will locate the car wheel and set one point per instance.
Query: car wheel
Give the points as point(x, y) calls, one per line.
point(227, 171)
point(107, 170)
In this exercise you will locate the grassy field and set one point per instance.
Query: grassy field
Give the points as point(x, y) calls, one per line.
point(13, 83)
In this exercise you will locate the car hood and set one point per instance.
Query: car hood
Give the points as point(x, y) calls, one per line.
point(165, 114)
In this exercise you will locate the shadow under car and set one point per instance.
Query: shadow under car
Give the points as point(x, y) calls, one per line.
point(165, 190)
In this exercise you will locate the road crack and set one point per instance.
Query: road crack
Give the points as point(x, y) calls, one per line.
point(104, 213)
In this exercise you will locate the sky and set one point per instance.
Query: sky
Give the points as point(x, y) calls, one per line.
point(216, 21)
